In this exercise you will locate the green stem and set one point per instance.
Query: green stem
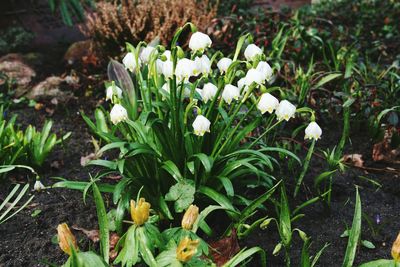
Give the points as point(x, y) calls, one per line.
point(305, 168)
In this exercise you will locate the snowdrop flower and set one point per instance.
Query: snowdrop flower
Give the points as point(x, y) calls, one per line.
point(167, 54)
point(168, 69)
point(265, 69)
point(110, 92)
point(252, 52)
point(230, 92)
point(208, 92)
point(199, 41)
point(223, 64)
point(165, 87)
point(159, 66)
point(268, 103)
point(38, 186)
point(241, 84)
point(185, 68)
point(313, 131)
point(129, 62)
point(118, 113)
point(146, 53)
point(203, 64)
point(285, 110)
point(253, 75)
point(201, 125)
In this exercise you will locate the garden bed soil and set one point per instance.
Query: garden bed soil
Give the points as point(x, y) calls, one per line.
point(26, 240)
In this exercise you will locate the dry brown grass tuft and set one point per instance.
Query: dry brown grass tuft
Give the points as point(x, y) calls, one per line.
point(120, 21)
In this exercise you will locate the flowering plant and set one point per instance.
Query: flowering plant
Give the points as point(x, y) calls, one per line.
point(183, 128)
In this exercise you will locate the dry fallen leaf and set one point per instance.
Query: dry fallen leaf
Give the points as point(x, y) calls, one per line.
point(355, 159)
point(91, 234)
point(224, 249)
point(383, 151)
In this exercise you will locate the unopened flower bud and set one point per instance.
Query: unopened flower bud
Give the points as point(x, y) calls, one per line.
point(66, 239)
point(396, 249)
point(190, 217)
point(140, 211)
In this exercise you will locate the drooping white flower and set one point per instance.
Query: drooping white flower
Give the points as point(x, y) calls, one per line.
point(118, 113)
point(113, 91)
point(203, 65)
point(313, 131)
point(146, 53)
point(252, 52)
point(241, 84)
point(201, 125)
point(185, 68)
point(285, 110)
point(208, 92)
point(159, 66)
point(199, 41)
point(230, 92)
point(168, 69)
point(265, 69)
point(253, 75)
point(167, 54)
point(38, 186)
point(223, 64)
point(129, 62)
point(268, 103)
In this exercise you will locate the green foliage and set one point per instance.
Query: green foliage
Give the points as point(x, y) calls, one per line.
point(30, 147)
point(70, 9)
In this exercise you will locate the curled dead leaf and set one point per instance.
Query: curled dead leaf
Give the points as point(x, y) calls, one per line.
point(354, 159)
point(224, 249)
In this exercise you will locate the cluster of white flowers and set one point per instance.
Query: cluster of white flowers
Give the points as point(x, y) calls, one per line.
point(185, 68)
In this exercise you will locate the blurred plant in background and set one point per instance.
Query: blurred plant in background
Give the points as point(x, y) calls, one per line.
point(114, 23)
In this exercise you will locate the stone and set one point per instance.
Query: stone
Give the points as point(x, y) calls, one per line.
point(14, 67)
point(49, 89)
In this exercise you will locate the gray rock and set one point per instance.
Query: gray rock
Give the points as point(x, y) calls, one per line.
point(50, 88)
point(14, 67)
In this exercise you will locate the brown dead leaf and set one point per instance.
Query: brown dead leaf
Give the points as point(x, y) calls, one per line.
point(224, 249)
point(383, 150)
point(355, 159)
point(114, 238)
point(91, 234)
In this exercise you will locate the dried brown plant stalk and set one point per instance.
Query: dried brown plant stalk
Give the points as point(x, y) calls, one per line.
point(119, 21)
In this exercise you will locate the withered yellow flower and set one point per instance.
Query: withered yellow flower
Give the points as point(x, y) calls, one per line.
point(190, 217)
point(140, 212)
point(186, 249)
point(396, 249)
point(66, 239)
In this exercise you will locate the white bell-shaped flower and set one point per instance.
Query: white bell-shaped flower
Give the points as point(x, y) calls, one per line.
point(313, 131)
point(223, 64)
point(129, 62)
point(253, 75)
point(199, 41)
point(230, 92)
point(185, 68)
point(146, 53)
point(285, 110)
point(118, 113)
point(265, 69)
point(112, 91)
point(252, 52)
point(167, 55)
point(159, 66)
point(241, 84)
point(203, 64)
point(168, 69)
point(38, 186)
point(208, 92)
point(201, 125)
point(268, 103)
